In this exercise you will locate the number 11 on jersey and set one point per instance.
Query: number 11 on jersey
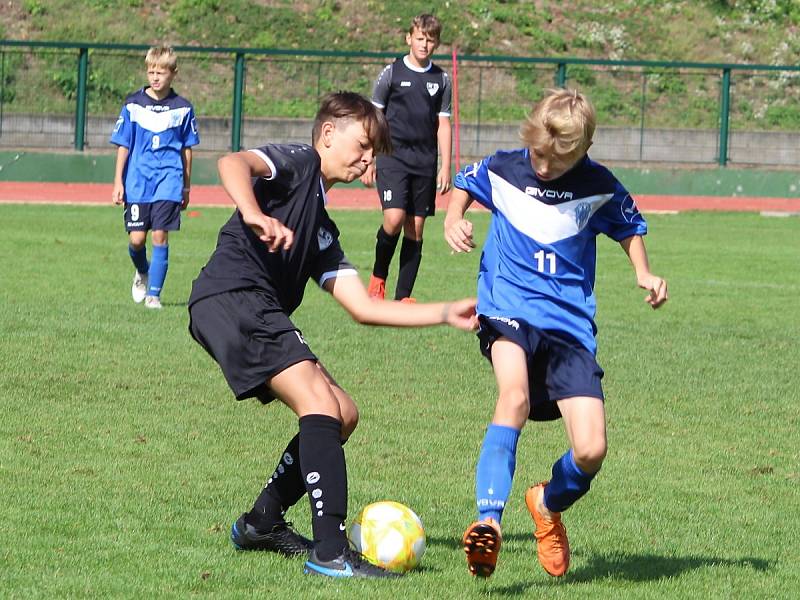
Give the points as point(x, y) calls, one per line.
point(542, 258)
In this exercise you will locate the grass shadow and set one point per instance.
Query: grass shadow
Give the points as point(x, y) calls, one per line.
point(619, 567)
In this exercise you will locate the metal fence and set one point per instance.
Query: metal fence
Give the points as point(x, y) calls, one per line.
point(67, 95)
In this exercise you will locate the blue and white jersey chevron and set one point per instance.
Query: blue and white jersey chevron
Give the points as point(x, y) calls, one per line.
point(538, 261)
point(154, 132)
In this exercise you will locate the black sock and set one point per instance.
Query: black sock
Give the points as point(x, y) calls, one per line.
point(325, 475)
point(282, 491)
point(384, 251)
point(410, 257)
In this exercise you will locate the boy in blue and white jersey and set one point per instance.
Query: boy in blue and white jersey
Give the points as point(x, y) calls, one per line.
point(155, 132)
point(536, 306)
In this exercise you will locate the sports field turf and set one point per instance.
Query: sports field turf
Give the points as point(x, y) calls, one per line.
point(124, 458)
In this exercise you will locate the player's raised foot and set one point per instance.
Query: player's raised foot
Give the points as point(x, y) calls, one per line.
point(552, 544)
point(152, 302)
point(376, 288)
point(408, 300)
point(139, 286)
point(282, 538)
point(348, 564)
point(482, 542)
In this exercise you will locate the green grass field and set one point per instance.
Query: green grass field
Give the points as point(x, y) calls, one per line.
point(124, 458)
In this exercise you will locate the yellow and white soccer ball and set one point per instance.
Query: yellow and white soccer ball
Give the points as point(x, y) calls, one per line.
point(390, 535)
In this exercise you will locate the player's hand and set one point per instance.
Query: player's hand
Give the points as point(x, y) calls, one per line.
point(461, 314)
point(118, 193)
point(459, 236)
point(368, 178)
point(657, 288)
point(443, 181)
point(185, 201)
point(270, 231)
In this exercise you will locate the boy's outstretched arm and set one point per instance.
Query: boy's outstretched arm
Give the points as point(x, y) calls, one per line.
point(457, 230)
point(637, 253)
point(350, 292)
point(235, 173)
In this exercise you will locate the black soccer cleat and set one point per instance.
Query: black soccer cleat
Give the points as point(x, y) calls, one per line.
point(282, 538)
point(348, 564)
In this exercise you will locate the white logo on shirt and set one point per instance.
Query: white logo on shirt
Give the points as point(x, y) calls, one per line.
point(540, 193)
point(324, 238)
point(433, 88)
point(405, 84)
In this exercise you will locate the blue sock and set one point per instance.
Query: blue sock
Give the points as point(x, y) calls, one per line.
point(139, 258)
point(495, 470)
point(158, 270)
point(567, 485)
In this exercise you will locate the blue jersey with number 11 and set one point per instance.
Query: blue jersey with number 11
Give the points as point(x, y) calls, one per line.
point(538, 262)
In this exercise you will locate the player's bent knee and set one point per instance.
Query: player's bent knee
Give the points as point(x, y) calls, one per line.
point(513, 408)
point(349, 420)
point(589, 456)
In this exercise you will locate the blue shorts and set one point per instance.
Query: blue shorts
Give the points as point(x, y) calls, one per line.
point(558, 366)
point(161, 215)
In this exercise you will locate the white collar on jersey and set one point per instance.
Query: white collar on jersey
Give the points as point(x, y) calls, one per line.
point(407, 63)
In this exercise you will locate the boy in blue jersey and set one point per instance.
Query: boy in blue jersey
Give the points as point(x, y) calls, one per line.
point(415, 95)
point(536, 307)
point(154, 133)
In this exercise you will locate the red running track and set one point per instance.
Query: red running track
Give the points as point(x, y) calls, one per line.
point(360, 198)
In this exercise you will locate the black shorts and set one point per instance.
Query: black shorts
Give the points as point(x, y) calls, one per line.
point(558, 366)
point(415, 194)
point(251, 339)
point(161, 215)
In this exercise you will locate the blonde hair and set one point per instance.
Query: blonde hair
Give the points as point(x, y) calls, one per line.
point(562, 121)
point(427, 24)
point(161, 56)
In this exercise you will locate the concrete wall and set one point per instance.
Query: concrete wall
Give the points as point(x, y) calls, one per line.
point(612, 144)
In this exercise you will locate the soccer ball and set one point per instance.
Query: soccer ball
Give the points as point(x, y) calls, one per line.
point(390, 535)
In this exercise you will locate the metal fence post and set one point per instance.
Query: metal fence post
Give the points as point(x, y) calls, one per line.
point(2, 87)
point(561, 75)
point(724, 117)
point(238, 93)
point(80, 98)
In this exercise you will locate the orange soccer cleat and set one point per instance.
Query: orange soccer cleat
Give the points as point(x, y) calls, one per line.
point(376, 288)
point(482, 542)
point(408, 300)
point(552, 544)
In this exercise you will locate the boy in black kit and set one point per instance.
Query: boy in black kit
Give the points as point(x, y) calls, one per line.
point(280, 237)
point(415, 95)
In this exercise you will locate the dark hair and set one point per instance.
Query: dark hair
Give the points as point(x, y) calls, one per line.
point(337, 106)
point(427, 24)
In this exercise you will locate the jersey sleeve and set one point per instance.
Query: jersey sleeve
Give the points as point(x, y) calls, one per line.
point(189, 133)
point(286, 162)
point(121, 136)
point(332, 263)
point(620, 218)
point(380, 93)
point(474, 179)
point(447, 97)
